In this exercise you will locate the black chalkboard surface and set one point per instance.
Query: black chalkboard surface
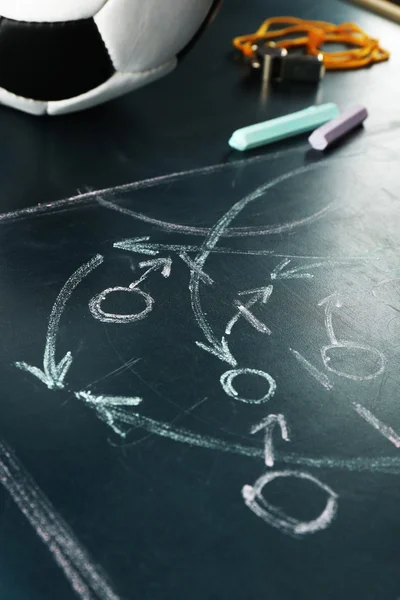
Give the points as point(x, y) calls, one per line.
point(200, 390)
point(200, 385)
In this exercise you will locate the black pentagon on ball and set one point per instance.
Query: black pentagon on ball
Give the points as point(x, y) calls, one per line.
point(52, 61)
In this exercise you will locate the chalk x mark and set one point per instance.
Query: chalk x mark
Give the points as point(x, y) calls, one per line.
point(320, 377)
point(258, 295)
point(87, 580)
point(192, 265)
point(53, 374)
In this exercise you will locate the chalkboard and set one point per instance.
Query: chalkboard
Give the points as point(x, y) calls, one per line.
point(200, 384)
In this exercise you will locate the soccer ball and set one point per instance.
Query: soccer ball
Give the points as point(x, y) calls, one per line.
point(59, 56)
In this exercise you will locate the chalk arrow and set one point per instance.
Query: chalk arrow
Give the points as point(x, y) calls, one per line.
point(219, 349)
point(138, 245)
point(104, 405)
point(164, 264)
point(330, 303)
point(269, 424)
point(280, 271)
point(144, 246)
point(296, 273)
point(261, 295)
point(53, 374)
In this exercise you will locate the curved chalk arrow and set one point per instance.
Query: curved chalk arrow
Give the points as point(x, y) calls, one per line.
point(216, 347)
point(53, 374)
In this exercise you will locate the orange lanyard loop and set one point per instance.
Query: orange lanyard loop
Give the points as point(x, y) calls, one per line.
point(363, 50)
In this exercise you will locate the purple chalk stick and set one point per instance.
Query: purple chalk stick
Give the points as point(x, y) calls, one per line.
point(324, 136)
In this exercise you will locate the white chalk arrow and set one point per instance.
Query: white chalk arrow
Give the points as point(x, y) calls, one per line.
point(164, 264)
point(280, 271)
point(220, 349)
point(53, 374)
point(104, 404)
point(269, 424)
point(261, 295)
point(296, 273)
point(95, 304)
point(143, 245)
point(330, 303)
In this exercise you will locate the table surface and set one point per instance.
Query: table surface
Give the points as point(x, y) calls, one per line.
point(196, 292)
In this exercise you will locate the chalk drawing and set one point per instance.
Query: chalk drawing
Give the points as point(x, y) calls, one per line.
point(227, 385)
point(218, 347)
point(192, 265)
point(320, 377)
point(385, 464)
point(274, 516)
point(86, 579)
point(280, 272)
point(330, 304)
point(102, 404)
point(269, 424)
point(258, 295)
point(359, 348)
point(142, 245)
point(53, 374)
point(383, 429)
point(105, 317)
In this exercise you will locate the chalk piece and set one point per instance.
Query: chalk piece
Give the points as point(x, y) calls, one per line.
point(330, 132)
point(283, 127)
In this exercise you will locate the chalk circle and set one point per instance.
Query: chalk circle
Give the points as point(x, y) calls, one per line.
point(227, 385)
point(351, 346)
point(105, 317)
point(274, 516)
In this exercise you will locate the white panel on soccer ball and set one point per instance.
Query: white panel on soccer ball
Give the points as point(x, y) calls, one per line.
point(39, 11)
point(119, 84)
point(143, 34)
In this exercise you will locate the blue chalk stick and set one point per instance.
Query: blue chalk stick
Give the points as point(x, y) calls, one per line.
point(283, 127)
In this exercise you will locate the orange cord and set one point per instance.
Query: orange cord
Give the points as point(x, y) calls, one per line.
point(363, 50)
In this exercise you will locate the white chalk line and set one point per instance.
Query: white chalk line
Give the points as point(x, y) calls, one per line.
point(192, 265)
point(72, 201)
point(252, 319)
point(269, 424)
point(81, 199)
point(259, 295)
point(320, 377)
point(144, 246)
point(383, 429)
point(331, 302)
point(87, 580)
point(211, 241)
point(387, 464)
point(53, 374)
